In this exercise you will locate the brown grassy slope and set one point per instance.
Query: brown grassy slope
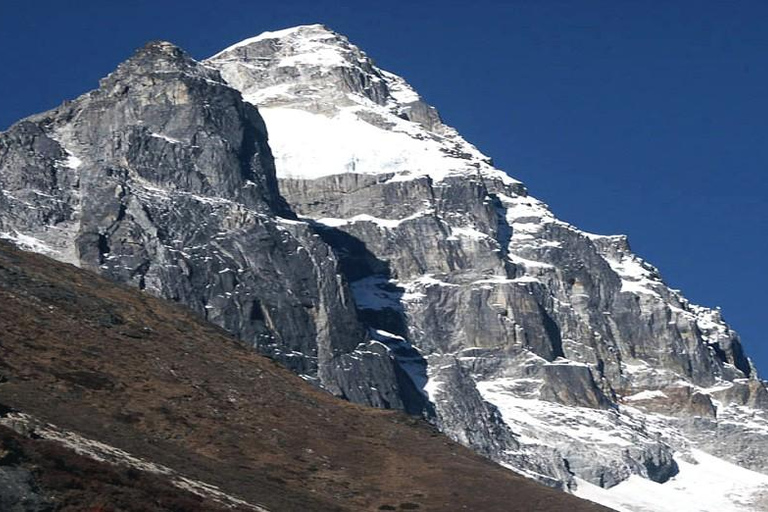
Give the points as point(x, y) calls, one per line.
point(148, 377)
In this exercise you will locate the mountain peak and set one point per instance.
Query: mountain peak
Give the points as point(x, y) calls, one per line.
point(158, 51)
point(303, 47)
point(309, 67)
point(159, 58)
point(315, 32)
point(314, 78)
point(161, 47)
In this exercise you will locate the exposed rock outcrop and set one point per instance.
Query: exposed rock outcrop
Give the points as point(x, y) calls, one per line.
point(162, 178)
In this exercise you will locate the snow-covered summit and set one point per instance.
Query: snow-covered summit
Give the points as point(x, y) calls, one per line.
point(319, 92)
point(319, 29)
point(313, 53)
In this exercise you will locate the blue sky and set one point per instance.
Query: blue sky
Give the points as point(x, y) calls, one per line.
point(644, 118)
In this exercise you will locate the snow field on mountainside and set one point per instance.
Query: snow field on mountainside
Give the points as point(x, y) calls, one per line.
point(710, 484)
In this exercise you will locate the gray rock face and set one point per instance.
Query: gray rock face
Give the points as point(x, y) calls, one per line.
point(163, 179)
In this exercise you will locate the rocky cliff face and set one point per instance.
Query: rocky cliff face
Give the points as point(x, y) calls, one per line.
point(554, 351)
point(384, 257)
point(162, 178)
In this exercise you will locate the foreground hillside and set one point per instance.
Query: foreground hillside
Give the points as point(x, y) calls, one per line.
point(111, 365)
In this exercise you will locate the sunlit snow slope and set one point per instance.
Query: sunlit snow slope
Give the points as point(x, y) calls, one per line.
point(399, 132)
